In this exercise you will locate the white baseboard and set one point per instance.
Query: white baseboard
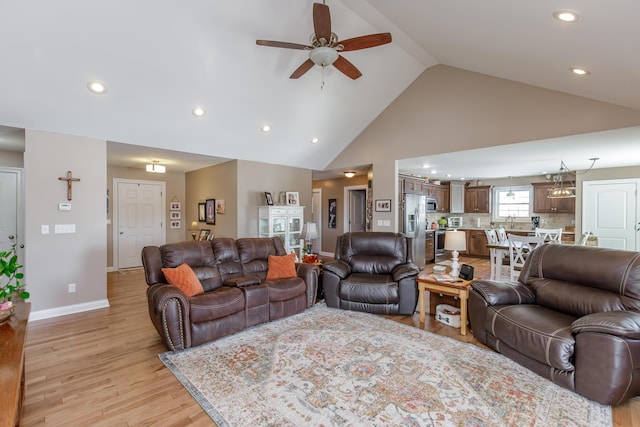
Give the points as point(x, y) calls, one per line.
point(68, 309)
point(110, 269)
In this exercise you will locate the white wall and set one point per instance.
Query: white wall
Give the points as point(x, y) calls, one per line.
point(52, 261)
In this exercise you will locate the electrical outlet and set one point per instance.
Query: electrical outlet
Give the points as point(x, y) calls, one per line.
point(72, 288)
point(543, 222)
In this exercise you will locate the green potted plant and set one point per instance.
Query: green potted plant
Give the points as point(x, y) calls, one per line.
point(10, 283)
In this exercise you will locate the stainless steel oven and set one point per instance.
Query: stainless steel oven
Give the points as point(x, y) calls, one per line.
point(440, 253)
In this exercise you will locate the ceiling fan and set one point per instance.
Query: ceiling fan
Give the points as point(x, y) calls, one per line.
point(324, 46)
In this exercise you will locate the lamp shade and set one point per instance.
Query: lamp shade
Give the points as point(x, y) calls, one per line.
point(309, 231)
point(455, 240)
point(194, 224)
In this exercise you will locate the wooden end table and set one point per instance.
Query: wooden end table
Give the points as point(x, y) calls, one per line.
point(455, 289)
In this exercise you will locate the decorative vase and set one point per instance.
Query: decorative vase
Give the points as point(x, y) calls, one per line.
point(6, 314)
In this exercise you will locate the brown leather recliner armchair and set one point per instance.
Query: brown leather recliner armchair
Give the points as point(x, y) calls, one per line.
point(372, 272)
point(237, 294)
point(573, 317)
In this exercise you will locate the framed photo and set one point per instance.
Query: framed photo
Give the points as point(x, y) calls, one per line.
point(292, 198)
point(175, 214)
point(201, 211)
point(204, 234)
point(220, 206)
point(210, 236)
point(269, 198)
point(383, 205)
point(333, 209)
point(175, 224)
point(174, 206)
point(210, 211)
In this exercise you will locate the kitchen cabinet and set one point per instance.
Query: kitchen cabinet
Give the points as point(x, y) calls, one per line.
point(456, 197)
point(543, 204)
point(442, 195)
point(284, 222)
point(477, 243)
point(429, 247)
point(477, 199)
point(413, 185)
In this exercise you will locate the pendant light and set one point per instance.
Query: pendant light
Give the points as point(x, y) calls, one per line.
point(565, 187)
point(511, 195)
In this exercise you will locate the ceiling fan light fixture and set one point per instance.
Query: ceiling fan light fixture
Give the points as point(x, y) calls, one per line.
point(323, 56)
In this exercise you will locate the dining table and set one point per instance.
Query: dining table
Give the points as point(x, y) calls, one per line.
point(498, 251)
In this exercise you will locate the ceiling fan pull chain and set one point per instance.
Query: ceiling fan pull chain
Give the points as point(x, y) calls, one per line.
point(322, 78)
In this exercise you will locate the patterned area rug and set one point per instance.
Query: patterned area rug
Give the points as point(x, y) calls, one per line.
point(334, 367)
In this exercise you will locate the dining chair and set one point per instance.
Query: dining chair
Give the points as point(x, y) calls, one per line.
point(584, 238)
point(553, 235)
point(502, 234)
point(492, 239)
point(519, 249)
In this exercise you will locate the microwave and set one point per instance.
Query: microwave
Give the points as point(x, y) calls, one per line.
point(432, 204)
point(454, 222)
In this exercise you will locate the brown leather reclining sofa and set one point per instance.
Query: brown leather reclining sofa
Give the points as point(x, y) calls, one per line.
point(573, 317)
point(237, 295)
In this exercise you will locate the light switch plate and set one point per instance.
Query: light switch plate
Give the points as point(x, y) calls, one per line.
point(44, 229)
point(64, 228)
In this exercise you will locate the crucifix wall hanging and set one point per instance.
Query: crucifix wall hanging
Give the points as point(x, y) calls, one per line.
point(70, 180)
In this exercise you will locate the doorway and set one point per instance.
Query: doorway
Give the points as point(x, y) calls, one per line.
point(316, 216)
point(355, 209)
point(138, 219)
point(11, 210)
point(610, 211)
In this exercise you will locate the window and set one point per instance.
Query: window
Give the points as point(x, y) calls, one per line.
point(517, 205)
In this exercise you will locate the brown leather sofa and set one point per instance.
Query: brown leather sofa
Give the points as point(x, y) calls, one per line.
point(237, 294)
point(372, 272)
point(573, 317)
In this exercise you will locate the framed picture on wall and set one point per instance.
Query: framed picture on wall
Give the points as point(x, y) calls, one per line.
point(175, 224)
point(221, 206)
point(333, 208)
point(383, 205)
point(201, 211)
point(210, 211)
point(204, 233)
point(175, 206)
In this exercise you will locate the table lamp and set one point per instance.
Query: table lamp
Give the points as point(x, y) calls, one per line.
point(194, 229)
point(455, 240)
point(309, 233)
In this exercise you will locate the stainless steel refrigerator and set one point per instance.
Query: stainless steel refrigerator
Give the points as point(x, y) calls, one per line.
point(414, 226)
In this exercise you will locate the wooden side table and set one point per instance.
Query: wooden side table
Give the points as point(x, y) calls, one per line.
point(12, 342)
point(455, 289)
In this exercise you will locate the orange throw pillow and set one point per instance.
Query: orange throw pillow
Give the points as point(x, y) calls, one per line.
point(183, 278)
point(281, 267)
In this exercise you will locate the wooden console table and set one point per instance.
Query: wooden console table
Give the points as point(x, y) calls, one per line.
point(13, 336)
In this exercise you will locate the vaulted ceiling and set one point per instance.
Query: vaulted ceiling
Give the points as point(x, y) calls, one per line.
point(159, 60)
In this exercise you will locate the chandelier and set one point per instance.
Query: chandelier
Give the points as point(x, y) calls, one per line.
point(564, 186)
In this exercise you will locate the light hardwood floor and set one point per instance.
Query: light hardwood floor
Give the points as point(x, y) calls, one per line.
point(100, 368)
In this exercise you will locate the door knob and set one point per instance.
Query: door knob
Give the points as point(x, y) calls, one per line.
point(21, 246)
point(11, 237)
point(122, 232)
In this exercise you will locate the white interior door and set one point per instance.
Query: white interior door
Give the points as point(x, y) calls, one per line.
point(357, 210)
point(140, 222)
point(609, 211)
point(8, 209)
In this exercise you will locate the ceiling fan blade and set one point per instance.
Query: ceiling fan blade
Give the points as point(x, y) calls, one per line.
point(306, 66)
point(322, 21)
point(364, 42)
point(347, 68)
point(285, 45)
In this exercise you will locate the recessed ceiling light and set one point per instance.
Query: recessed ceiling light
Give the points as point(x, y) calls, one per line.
point(448, 175)
point(315, 140)
point(425, 166)
point(462, 178)
point(567, 15)
point(97, 87)
point(198, 111)
point(265, 128)
point(433, 171)
point(579, 71)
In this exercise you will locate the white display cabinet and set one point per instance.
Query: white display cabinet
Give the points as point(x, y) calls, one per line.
point(284, 222)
